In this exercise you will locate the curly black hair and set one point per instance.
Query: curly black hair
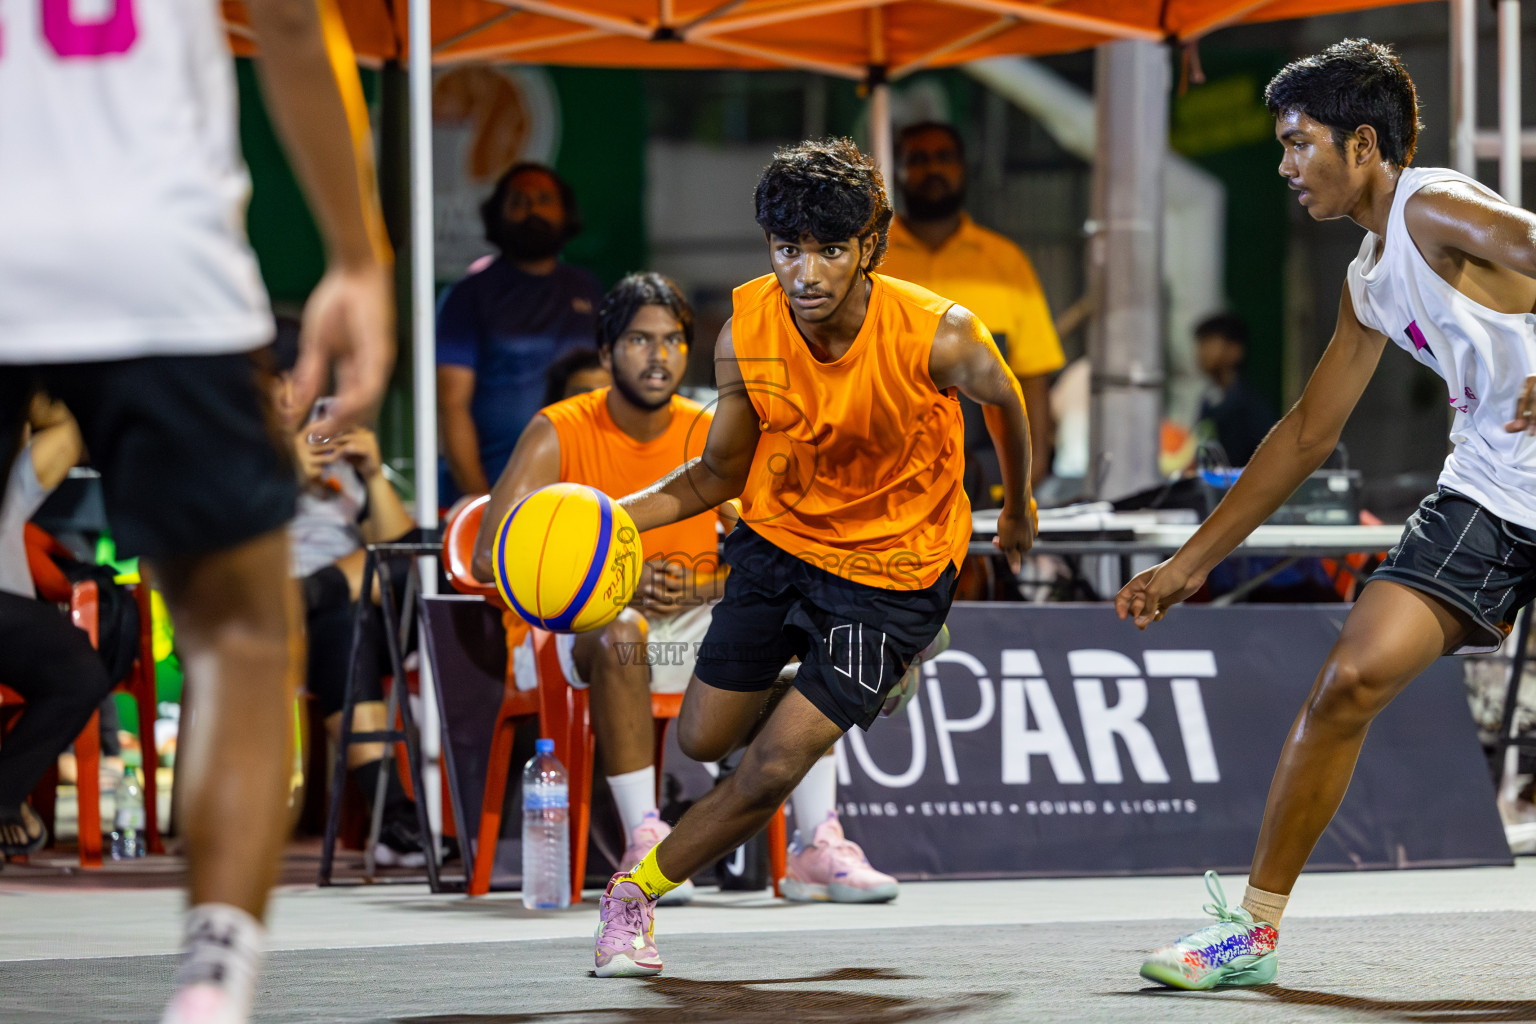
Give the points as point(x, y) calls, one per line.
point(1353, 82)
point(828, 190)
point(626, 298)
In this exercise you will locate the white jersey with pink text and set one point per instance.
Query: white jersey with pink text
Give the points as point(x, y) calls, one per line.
point(1484, 356)
point(122, 189)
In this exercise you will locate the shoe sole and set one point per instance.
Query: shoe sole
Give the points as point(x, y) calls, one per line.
point(1245, 970)
point(622, 966)
point(797, 891)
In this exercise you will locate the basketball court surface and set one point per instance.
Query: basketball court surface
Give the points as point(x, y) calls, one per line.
point(1380, 946)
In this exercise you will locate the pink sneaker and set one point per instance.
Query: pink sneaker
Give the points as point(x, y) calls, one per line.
point(626, 931)
point(642, 840)
point(834, 869)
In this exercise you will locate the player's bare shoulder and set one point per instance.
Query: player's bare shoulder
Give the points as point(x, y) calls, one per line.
point(955, 343)
point(1441, 214)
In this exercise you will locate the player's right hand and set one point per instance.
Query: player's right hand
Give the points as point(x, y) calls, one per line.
point(348, 329)
point(1152, 592)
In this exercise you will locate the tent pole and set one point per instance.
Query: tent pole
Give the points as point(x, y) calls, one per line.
point(879, 85)
point(1510, 163)
point(1125, 338)
point(424, 351)
point(1464, 86)
point(880, 142)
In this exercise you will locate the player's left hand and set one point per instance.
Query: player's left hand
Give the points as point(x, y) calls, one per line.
point(1525, 410)
point(349, 328)
point(1016, 533)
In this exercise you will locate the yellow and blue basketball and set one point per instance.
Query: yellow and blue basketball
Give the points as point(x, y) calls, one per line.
point(567, 558)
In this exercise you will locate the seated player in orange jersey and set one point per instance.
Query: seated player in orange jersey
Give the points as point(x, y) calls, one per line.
point(839, 427)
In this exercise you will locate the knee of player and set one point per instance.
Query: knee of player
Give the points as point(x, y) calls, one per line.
point(1346, 692)
point(627, 628)
point(624, 639)
point(697, 742)
point(767, 782)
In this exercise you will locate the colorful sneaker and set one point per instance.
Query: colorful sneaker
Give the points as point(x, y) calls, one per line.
point(626, 931)
point(642, 840)
point(1236, 950)
point(833, 869)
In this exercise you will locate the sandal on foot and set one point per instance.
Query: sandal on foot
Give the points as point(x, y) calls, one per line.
point(22, 832)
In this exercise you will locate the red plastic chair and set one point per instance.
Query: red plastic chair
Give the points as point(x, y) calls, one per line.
point(564, 714)
point(139, 683)
point(84, 606)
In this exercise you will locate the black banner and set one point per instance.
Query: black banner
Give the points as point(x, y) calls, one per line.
point(1061, 741)
point(1057, 740)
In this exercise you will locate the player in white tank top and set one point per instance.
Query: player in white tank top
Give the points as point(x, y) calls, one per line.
point(1483, 355)
point(122, 216)
point(1447, 271)
point(127, 289)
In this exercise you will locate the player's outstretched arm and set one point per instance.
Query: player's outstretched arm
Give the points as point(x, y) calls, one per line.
point(1451, 223)
point(309, 80)
point(1292, 451)
point(964, 356)
point(719, 474)
point(535, 463)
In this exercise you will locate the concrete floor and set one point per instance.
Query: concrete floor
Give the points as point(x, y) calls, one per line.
point(1412, 946)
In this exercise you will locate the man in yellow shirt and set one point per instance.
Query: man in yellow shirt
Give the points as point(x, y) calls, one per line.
point(935, 244)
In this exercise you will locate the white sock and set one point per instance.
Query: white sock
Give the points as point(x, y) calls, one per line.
point(1265, 906)
point(815, 798)
point(223, 946)
point(635, 794)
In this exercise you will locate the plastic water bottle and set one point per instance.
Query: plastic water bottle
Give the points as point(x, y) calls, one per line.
point(128, 821)
point(546, 831)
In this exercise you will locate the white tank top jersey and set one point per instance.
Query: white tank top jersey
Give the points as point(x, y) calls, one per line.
point(1484, 356)
point(122, 189)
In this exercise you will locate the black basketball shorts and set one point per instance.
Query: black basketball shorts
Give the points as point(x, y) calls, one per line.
point(854, 641)
point(191, 457)
point(1456, 550)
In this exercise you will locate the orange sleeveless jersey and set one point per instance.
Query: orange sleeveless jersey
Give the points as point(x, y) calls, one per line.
point(860, 464)
point(595, 452)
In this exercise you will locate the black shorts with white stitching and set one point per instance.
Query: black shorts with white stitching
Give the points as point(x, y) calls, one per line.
point(854, 641)
point(1456, 550)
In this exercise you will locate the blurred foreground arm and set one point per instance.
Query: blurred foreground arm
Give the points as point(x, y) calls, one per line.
point(310, 84)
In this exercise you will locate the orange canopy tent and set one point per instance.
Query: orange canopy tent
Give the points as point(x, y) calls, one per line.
point(835, 37)
point(876, 41)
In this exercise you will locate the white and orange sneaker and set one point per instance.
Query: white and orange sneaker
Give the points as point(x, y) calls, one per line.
point(833, 869)
point(642, 840)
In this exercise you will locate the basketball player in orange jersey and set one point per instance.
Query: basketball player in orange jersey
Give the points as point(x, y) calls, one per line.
point(128, 291)
point(618, 440)
point(839, 428)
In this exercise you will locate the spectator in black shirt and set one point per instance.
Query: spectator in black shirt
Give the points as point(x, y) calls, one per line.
point(1232, 413)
